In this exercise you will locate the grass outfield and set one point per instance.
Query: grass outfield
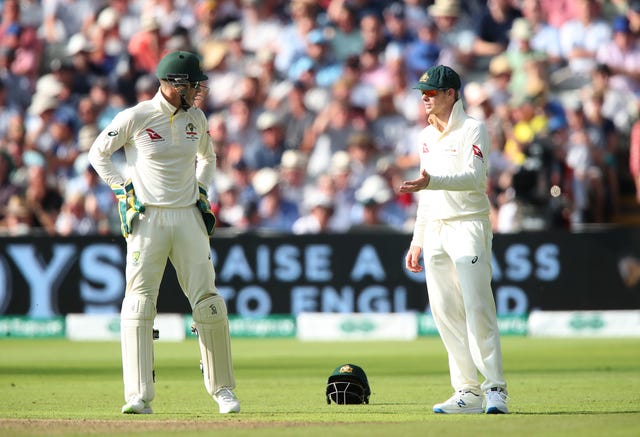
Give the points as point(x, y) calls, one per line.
point(567, 387)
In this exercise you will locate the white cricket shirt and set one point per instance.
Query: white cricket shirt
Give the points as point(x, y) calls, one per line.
point(167, 152)
point(456, 160)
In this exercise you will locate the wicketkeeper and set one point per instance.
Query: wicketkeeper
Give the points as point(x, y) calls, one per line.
point(165, 214)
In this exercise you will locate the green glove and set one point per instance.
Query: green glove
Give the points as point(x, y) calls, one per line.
point(128, 206)
point(205, 209)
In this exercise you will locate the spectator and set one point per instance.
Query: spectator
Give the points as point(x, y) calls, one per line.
point(387, 124)
point(17, 218)
point(376, 207)
point(337, 183)
point(527, 64)
point(242, 176)
point(545, 38)
point(19, 89)
point(43, 198)
point(87, 182)
point(260, 24)
point(622, 56)
point(397, 31)
point(363, 153)
point(319, 59)
point(454, 36)
point(8, 110)
point(332, 129)
point(74, 218)
point(241, 122)
point(374, 39)
point(275, 213)
point(492, 30)
point(292, 41)
point(7, 187)
point(633, 14)
point(318, 216)
point(228, 208)
point(79, 50)
point(424, 51)
point(293, 166)
point(347, 38)
point(580, 39)
point(268, 153)
point(587, 189)
point(297, 117)
point(146, 47)
point(605, 138)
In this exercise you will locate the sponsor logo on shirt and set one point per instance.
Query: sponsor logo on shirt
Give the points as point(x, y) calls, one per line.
point(477, 152)
point(190, 131)
point(153, 135)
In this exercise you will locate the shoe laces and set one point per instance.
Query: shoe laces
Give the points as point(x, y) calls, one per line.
point(459, 394)
point(225, 394)
point(497, 395)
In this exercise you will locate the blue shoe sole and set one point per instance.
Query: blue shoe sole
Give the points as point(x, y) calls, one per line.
point(494, 410)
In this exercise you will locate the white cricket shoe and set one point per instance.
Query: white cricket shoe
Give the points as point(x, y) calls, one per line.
point(137, 406)
point(496, 401)
point(227, 401)
point(462, 402)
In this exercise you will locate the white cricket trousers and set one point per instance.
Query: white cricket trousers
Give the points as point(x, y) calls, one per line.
point(177, 234)
point(160, 234)
point(457, 258)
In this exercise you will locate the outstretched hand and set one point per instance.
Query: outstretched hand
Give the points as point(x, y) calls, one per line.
point(417, 184)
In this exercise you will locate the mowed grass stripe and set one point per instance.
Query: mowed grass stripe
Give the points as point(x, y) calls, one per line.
point(584, 387)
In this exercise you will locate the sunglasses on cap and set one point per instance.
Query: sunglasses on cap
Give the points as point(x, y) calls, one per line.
point(431, 93)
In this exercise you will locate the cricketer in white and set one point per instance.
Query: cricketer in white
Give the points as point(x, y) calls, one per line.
point(169, 159)
point(453, 233)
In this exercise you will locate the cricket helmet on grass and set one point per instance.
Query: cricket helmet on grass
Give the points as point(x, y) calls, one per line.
point(348, 384)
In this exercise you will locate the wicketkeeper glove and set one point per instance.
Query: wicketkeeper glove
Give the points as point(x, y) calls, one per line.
point(129, 207)
point(205, 209)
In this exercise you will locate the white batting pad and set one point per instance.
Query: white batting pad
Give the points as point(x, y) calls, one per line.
point(210, 317)
point(136, 333)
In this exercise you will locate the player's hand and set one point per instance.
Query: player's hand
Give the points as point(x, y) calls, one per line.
point(417, 184)
point(129, 207)
point(205, 209)
point(412, 260)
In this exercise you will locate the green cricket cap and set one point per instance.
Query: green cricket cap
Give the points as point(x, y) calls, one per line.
point(181, 63)
point(439, 77)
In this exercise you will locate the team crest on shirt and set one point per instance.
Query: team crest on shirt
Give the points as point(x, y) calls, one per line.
point(477, 152)
point(191, 132)
point(425, 148)
point(153, 135)
point(135, 257)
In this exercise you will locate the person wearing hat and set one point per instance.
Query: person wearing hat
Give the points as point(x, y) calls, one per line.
point(165, 214)
point(317, 219)
point(275, 213)
point(376, 207)
point(622, 56)
point(453, 235)
point(455, 34)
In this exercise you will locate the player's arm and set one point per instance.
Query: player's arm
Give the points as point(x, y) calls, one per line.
point(205, 170)
point(112, 138)
point(205, 158)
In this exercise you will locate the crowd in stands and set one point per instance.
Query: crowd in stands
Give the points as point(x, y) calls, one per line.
point(311, 109)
